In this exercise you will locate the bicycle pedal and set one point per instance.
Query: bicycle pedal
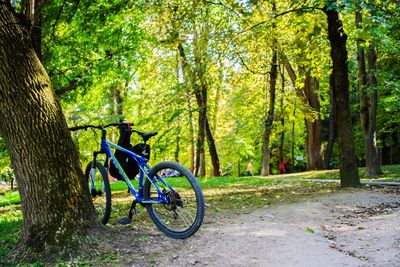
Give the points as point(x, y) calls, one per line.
point(125, 220)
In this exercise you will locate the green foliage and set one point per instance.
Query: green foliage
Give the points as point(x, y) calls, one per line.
point(96, 51)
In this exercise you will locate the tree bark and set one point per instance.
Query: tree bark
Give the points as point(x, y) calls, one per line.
point(33, 20)
point(192, 136)
point(202, 98)
point(216, 170)
point(332, 127)
point(310, 98)
point(199, 161)
point(282, 111)
point(269, 120)
point(337, 38)
point(313, 125)
point(368, 106)
point(55, 200)
point(373, 161)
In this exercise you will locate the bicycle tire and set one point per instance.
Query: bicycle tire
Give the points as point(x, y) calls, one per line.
point(102, 187)
point(179, 207)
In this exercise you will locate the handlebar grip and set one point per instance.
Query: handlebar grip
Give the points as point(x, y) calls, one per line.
point(76, 128)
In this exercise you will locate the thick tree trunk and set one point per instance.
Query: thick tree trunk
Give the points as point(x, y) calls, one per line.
point(269, 120)
point(332, 127)
point(337, 38)
point(55, 200)
point(313, 126)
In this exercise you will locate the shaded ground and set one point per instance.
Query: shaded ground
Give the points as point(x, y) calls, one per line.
point(350, 228)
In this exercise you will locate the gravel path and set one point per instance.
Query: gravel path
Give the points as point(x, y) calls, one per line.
point(351, 228)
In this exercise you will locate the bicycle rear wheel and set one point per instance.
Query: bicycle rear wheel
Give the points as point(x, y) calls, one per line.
point(100, 191)
point(184, 213)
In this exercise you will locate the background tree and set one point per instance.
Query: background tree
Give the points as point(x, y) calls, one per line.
point(340, 81)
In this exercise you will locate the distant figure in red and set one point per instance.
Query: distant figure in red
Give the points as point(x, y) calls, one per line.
point(282, 168)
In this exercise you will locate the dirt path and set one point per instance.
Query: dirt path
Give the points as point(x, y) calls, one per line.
point(358, 228)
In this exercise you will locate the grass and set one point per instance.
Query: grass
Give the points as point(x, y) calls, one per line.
point(390, 173)
point(10, 225)
point(223, 194)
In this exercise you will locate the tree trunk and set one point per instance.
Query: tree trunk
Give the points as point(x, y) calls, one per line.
point(332, 127)
point(373, 160)
point(192, 136)
point(201, 159)
point(310, 98)
point(216, 170)
point(33, 20)
point(368, 106)
point(55, 200)
point(270, 115)
point(282, 111)
point(313, 125)
point(178, 143)
point(337, 38)
point(202, 99)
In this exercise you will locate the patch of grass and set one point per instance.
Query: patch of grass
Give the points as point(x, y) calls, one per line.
point(221, 199)
point(390, 173)
point(10, 226)
point(9, 198)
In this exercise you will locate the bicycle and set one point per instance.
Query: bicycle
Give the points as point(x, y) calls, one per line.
point(178, 215)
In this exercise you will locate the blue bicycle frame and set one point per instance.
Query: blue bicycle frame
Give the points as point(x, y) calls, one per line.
point(144, 170)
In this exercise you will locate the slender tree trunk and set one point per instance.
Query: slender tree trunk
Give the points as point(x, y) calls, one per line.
point(337, 38)
point(200, 92)
point(293, 136)
point(310, 98)
point(33, 21)
point(269, 120)
point(178, 143)
point(332, 127)
point(202, 134)
point(185, 71)
point(192, 136)
point(282, 111)
point(216, 170)
point(313, 126)
point(202, 99)
point(55, 202)
point(368, 106)
point(373, 161)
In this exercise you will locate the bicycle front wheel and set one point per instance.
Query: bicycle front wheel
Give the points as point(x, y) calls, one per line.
point(184, 213)
point(99, 188)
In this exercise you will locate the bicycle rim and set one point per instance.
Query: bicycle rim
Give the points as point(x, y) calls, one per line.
point(184, 213)
point(99, 191)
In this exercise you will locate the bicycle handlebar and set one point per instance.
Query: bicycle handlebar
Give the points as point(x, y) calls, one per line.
point(100, 127)
point(145, 136)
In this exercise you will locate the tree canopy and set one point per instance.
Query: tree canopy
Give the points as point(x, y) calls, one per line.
point(151, 62)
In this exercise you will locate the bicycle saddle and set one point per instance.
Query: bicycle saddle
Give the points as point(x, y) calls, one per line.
point(147, 136)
